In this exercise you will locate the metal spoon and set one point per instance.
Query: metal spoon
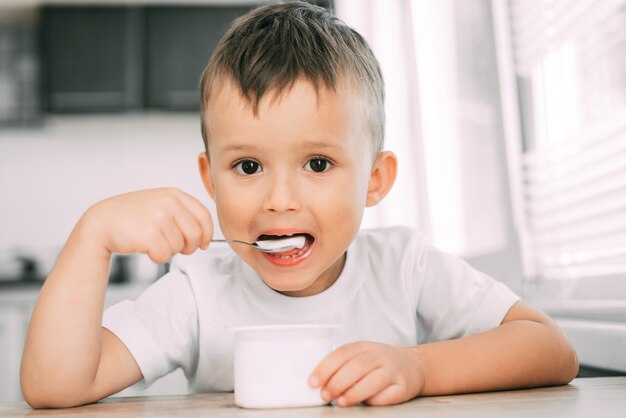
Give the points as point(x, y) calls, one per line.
point(271, 246)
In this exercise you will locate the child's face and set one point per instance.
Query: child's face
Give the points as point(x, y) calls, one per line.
point(302, 165)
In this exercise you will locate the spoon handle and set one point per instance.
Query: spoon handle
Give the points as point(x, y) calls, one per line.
point(237, 241)
point(253, 245)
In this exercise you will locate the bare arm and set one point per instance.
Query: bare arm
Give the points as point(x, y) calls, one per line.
point(527, 349)
point(69, 359)
point(66, 345)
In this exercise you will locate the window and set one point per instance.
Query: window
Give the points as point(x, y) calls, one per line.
point(443, 121)
point(565, 122)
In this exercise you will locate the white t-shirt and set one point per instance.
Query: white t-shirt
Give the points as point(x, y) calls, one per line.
point(395, 288)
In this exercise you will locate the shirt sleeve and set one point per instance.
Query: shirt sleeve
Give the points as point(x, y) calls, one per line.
point(456, 300)
point(159, 328)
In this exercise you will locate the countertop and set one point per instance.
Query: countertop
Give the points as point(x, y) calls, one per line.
point(26, 293)
point(584, 397)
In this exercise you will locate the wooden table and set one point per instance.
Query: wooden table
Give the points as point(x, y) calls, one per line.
point(586, 397)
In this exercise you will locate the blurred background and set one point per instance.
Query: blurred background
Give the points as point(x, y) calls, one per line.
point(508, 117)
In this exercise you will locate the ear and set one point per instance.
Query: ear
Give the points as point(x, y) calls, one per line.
point(382, 177)
point(205, 172)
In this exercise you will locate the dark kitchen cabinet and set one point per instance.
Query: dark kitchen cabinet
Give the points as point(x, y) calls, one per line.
point(120, 57)
point(19, 75)
point(180, 41)
point(92, 58)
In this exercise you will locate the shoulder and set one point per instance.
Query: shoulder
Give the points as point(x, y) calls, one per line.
point(382, 233)
point(395, 242)
point(394, 251)
point(408, 245)
point(392, 262)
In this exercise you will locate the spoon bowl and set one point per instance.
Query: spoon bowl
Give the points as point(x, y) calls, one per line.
point(271, 246)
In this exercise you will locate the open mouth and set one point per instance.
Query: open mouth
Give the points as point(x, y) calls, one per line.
point(293, 253)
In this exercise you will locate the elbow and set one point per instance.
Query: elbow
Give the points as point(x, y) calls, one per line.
point(35, 397)
point(40, 395)
point(570, 364)
point(32, 392)
point(566, 366)
point(42, 399)
point(563, 355)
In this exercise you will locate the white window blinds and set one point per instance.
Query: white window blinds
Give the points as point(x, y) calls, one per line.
point(570, 61)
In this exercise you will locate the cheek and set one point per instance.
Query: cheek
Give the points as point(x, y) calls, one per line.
point(233, 210)
point(344, 205)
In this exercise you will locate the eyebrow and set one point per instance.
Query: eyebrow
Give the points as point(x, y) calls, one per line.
point(320, 144)
point(238, 147)
point(306, 144)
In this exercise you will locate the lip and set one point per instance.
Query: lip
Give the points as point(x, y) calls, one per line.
point(292, 261)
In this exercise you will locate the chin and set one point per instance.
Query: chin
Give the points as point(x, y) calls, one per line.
point(285, 288)
point(288, 288)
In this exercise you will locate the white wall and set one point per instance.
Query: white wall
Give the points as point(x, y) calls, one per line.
point(49, 176)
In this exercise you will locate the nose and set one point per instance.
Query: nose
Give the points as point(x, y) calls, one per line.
point(283, 194)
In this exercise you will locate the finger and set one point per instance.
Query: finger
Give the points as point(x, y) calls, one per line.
point(173, 235)
point(158, 247)
point(334, 361)
point(202, 215)
point(348, 375)
point(367, 387)
point(392, 394)
point(190, 229)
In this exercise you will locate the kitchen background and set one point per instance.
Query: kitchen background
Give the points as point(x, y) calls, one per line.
point(508, 117)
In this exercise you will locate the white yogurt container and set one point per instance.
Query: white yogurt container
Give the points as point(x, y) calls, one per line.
point(273, 364)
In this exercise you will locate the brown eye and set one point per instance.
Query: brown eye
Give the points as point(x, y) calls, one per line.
point(318, 165)
point(247, 167)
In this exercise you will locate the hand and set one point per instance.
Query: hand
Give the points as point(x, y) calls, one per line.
point(374, 373)
point(157, 222)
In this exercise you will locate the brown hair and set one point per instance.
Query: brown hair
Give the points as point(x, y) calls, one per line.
point(273, 46)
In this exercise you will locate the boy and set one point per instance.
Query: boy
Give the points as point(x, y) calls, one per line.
point(292, 121)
